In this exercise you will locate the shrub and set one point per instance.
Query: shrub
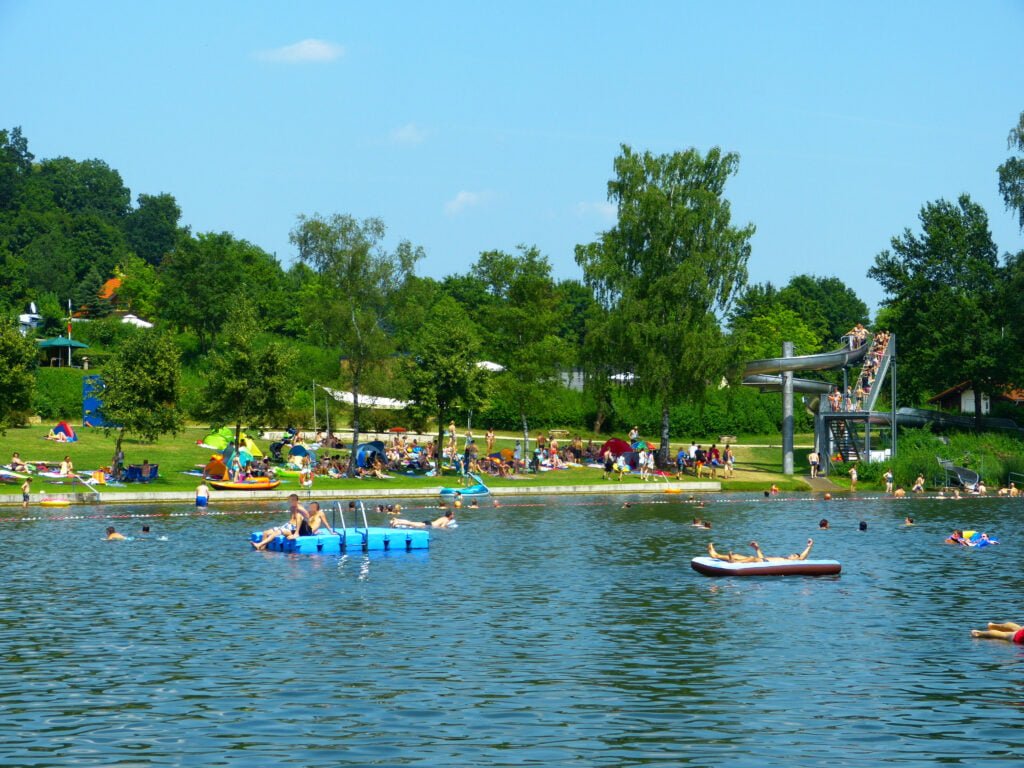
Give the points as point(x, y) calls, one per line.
point(58, 394)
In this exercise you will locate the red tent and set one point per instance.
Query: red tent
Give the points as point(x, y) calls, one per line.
point(617, 446)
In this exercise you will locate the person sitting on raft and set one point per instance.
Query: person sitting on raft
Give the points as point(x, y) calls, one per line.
point(1006, 630)
point(314, 521)
point(442, 522)
point(289, 530)
point(758, 556)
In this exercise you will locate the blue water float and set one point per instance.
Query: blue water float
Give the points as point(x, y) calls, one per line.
point(372, 539)
point(470, 490)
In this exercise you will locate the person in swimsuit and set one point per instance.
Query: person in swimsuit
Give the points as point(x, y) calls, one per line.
point(1006, 630)
point(17, 465)
point(758, 556)
point(316, 520)
point(290, 530)
point(442, 522)
point(609, 464)
point(113, 535)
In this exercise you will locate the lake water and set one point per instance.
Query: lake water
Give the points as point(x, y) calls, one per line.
point(557, 631)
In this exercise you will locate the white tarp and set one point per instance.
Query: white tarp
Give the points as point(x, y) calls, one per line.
point(487, 365)
point(369, 401)
point(136, 321)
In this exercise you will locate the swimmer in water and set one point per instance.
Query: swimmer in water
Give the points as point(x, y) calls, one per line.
point(758, 556)
point(908, 521)
point(442, 522)
point(1006, 630)
point(113, 535)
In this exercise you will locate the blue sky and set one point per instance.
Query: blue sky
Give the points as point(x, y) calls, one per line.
point(472, 126)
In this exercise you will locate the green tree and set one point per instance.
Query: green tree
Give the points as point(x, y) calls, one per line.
point(248, 384)
point(1011, 173)
point(942, 298)
point(442, 364)
point(18, 360)
point(762, 336)
point(205, 276)
point(140, 286)
point(152, 227)
point(358, 279)
point(826, 304)
point(671, 263)
point(521, 322)
point(15, 166)
point(89, 186)
point(142, 388)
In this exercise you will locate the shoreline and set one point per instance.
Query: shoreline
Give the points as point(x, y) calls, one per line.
point(152, 497)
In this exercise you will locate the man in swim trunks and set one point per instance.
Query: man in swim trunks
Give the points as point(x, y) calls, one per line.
point(316, 521)
point(1006, 630)
point(442, 522)
point(758, 556)
point(290, 530)
point(113, 535)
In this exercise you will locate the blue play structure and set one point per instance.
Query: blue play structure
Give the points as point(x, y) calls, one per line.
point(351, 540)
point(370, 539)
point(92, 402)
point(477, 489)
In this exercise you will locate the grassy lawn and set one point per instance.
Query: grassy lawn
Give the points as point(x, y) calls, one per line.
point(757, 468)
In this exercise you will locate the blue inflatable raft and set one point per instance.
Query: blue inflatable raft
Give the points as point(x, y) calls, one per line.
point(352, 540)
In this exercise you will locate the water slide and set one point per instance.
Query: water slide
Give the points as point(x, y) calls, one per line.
point(767, 374)
point(921, 417)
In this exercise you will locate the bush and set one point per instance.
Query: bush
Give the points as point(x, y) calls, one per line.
point(992, 455)
point(58, 394)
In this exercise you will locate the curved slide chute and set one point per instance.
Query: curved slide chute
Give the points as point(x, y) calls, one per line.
point(922, 417)
point(769, 383)
point(822, 361)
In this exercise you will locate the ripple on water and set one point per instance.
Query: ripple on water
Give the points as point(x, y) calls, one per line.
point(533, 635)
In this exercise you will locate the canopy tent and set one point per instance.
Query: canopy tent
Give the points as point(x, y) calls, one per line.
point(368, 452)
point(61, 342)
point(244, 457)
point(617, 446)
point(370, 401)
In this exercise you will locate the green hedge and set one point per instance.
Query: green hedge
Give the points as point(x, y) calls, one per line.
point(58, 394)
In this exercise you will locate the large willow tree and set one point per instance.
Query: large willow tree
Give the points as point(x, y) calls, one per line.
point(667, 270)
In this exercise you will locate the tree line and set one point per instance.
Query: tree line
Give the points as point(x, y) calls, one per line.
point(663, 309)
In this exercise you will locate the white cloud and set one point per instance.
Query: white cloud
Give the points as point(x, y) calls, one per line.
point(303, 51)
point(462, 201)
point(410, 133)
point(605, 210)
